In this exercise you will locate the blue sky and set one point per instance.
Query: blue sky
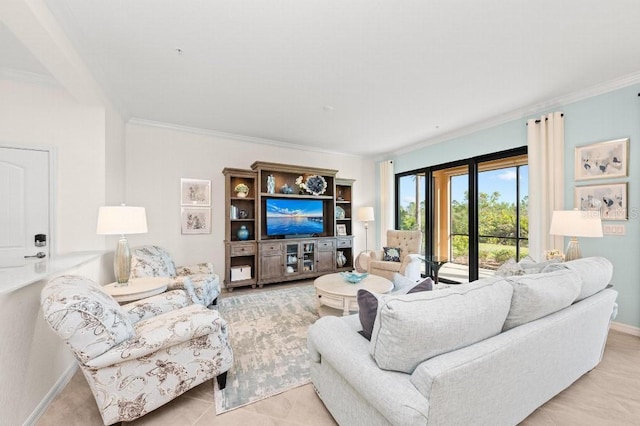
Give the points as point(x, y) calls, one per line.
point(502, 181)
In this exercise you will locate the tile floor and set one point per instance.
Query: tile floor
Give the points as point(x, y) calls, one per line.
point(608, 395)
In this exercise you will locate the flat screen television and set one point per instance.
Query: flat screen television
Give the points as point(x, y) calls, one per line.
point(287, 216)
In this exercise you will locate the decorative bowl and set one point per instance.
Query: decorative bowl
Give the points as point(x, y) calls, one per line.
point(354, 277)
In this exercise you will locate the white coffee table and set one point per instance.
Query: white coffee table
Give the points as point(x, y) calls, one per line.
point(334, 291)
point(138, 288)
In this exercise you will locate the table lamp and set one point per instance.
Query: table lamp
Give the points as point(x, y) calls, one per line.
point(121, 220)
point(574, 224)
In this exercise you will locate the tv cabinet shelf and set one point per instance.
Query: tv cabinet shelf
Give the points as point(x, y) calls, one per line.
point(279, 258)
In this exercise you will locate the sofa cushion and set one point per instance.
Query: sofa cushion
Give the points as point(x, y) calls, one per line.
point(405, 285)
point(596, 273)
point(368, 303)
point(538, 295)
point(412, 328)
point(391, 254)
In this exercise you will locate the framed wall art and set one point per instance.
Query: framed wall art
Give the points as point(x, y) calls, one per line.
point(195, 192)
point(602, 160)
point(610, 200)
point(196, 220)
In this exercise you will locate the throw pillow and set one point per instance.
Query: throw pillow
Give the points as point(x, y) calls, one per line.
point(538, 295)
point(368, 304)
point(391, 254)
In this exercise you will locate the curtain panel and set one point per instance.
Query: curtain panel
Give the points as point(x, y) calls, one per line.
point(545, 139)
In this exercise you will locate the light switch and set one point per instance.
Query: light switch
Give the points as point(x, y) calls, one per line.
point(613, 230)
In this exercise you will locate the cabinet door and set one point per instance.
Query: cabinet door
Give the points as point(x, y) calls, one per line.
point(308, 250)
point(271, 266)
point(326, 261)
point(272, 258)
point(292, 258)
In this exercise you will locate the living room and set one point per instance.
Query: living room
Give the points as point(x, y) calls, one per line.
point(103, 158)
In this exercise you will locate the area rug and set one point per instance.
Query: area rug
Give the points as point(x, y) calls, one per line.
point(268, 333)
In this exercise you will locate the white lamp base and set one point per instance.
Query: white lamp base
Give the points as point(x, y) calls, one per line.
point(573, 250)
point(122, 262)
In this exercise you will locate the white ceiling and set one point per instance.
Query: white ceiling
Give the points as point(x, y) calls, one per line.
point(358, 76)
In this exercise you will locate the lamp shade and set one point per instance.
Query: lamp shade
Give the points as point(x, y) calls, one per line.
point(365, 214)
point(576, 223)
point(121, 220)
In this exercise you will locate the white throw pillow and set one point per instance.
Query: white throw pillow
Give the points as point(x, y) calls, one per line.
point(412, 328)
point(538, 295)
point(596, 273)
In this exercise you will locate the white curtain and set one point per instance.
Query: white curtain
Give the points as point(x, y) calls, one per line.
point(545, 138)
point(387, 200)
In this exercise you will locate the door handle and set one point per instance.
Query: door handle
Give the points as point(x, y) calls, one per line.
point(39, 255)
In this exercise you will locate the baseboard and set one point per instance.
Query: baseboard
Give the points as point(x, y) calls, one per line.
point(49, 397)
point(624, 328)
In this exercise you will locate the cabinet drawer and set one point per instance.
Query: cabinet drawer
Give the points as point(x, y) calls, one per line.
point(343, 242)
point(326, 245)
point(242, 249)
point(271, 249)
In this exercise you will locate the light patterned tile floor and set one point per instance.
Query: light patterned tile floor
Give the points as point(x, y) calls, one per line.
point(608, 395)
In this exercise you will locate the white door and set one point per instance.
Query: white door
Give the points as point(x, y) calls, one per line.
point(24, 206)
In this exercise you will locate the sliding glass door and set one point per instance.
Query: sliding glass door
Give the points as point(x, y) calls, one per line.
point(473, 214)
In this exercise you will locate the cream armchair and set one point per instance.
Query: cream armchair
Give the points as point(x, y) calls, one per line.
point(409, 265)
point(137, 357)
point(199, 280)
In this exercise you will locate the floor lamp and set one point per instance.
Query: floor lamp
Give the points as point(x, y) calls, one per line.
point(574, 224)
point(121, 220)
point(366, 215)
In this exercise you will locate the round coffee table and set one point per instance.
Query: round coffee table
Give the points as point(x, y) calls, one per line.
point(334, 291)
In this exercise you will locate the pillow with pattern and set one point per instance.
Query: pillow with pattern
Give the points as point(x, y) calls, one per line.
point(391, 254)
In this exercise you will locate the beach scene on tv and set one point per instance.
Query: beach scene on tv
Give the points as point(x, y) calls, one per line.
point(294, 217)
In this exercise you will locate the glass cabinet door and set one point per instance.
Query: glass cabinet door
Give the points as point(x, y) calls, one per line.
point(308, 250)
point(292, 259)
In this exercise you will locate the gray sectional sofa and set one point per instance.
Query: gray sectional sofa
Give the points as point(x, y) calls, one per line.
point(484, 353)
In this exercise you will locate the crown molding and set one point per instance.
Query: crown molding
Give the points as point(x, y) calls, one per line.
point(233, 136)
point(29, 77)
point(527, 111)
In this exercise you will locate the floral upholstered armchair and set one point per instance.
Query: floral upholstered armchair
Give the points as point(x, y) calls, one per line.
point(400, 255)
point(139, 356)
point(199, 280)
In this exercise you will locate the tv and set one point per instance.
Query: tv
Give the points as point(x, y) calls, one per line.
point(286, 216)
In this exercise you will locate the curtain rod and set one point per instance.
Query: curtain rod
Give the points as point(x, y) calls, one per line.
point(545, 119)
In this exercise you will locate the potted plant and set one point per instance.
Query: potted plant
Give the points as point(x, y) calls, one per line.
point(241, 190)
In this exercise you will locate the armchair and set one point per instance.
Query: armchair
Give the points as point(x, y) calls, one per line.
point(139, 356)
point(199, 281)
point(409, 265)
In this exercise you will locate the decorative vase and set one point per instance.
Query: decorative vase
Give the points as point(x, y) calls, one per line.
point(341, 260)
point(241, 194)
point(243, 233)
point(271, 184)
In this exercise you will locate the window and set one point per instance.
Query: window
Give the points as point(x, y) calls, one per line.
point(473, 214)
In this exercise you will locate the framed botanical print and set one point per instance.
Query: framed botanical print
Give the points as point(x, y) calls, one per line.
point(610, 200)
point(602, 160)
point(195, 192)
point(196, 220)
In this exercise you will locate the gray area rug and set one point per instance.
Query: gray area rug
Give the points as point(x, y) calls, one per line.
point(268, 332)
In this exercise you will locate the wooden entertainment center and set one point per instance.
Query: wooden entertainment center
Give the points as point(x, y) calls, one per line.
point(259, 249)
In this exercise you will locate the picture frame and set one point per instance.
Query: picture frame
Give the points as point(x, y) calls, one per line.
point(195, 192)
point(610, 199)
point(195, 220)
point(341, 229)
point(602, 160)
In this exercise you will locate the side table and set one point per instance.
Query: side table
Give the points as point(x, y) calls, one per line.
point(138, 288)
point(436, 263)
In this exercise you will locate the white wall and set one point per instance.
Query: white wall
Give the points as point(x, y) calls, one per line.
point(35, 115)
point(39, 116)
point(158, 157)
